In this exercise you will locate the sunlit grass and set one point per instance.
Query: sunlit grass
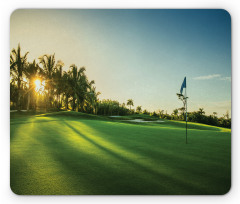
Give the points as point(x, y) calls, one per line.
point(71, 153)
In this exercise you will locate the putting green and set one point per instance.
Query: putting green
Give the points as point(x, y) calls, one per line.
point(73, 153)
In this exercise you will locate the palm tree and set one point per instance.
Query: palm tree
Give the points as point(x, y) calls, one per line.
point(58, 79)
point(74, 83)
point(226, 115)
point(161, 113)
point(175, 113)
point(48, 63)
point(182, 112)
point(201, 111)
point(17, 65)
point(31, 72)
point(67, 89)
point(93, 99)
point(130, 103)
point(83, 88)
point(139, 109)
point(79, 84)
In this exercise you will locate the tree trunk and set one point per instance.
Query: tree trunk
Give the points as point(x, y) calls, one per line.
point(29, 95)
point(82, 104)
point(74, 104)
point(28, 103)
point(95, 109)
point(66, 102)
point(35, 102)
point(58, 101)
point(19, 94)
point(47, 99)
point(48, 102)
point(77, 109)
point(61, 100)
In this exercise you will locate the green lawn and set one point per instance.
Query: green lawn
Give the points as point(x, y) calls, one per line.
point(74, 153)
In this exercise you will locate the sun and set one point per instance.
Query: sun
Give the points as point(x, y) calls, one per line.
point(39, 85)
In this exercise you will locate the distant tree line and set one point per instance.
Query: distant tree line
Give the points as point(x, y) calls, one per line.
point(200, 117)
point(195, 116)
point(43, 84)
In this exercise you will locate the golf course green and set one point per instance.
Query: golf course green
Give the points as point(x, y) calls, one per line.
point(70, 153)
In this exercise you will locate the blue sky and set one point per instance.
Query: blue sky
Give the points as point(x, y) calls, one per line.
point(138, 54)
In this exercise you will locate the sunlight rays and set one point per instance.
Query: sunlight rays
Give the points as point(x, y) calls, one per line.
point(93, 155)
point(147, 164)
point(39, 86)
point(49, 181)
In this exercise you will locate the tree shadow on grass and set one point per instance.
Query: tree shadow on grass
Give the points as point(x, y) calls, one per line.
point(157, 183)
point(95, 174)
point(102, 176)
point(90, 173)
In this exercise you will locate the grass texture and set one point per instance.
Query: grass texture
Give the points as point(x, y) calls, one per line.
point(68, 153)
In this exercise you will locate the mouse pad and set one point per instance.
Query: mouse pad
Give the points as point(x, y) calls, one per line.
point(120, 102)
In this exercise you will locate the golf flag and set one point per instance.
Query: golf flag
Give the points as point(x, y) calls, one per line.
point(184, 85)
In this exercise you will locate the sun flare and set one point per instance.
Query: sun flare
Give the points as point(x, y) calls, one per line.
point(39, 85)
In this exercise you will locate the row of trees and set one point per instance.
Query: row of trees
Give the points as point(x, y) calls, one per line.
point(45, 84)
point(200, 117)
point(108, 107)
point(195, 116)
point(113, 107)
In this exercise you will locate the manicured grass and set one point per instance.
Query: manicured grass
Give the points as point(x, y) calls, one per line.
point(137, 116)
point(74, 153)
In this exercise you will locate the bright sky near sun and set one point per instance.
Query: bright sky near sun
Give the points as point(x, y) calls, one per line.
point(139, 54)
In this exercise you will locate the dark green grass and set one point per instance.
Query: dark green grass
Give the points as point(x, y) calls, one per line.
point(74, 153)
point(137, 116)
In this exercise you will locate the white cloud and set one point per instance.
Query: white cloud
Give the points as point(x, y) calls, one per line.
point(208, 77)
point(225, 78)
point(213, 76)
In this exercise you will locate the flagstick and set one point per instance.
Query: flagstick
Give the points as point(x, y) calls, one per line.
point(186, 111)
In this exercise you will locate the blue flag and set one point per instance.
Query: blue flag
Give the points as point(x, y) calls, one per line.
point(184, 85)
